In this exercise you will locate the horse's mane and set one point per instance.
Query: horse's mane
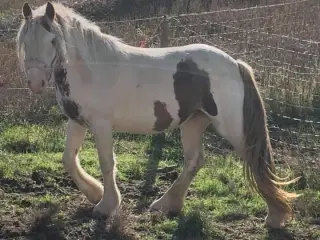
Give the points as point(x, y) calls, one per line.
point(67, 20)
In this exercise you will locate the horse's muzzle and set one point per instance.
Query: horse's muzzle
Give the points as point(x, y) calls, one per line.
point(36, 80)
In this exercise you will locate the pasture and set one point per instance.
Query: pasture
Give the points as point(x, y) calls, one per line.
point(38, 199)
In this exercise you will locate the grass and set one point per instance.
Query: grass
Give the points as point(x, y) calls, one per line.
point(39, 200)
point(275, 42)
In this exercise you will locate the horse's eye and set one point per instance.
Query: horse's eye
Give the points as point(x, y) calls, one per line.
point(53, 41)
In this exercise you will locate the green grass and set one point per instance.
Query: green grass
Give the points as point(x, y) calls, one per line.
point(39, 200)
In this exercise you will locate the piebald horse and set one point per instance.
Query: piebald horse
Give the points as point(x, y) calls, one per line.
point(105, 85)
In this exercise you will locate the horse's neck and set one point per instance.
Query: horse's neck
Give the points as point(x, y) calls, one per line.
point(80, 60)
point(93, 47)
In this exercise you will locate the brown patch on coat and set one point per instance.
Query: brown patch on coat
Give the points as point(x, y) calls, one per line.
point(192, 89)
point(72, 110)
point(164, 118)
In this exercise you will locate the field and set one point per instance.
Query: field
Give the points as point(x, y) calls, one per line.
point(38, 199)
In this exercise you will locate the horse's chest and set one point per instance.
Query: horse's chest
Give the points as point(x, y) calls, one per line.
point(68, 106)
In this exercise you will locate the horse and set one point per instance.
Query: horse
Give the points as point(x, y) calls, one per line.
point(103, 85)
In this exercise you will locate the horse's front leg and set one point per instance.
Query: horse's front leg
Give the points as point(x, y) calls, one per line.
point(88, 185)
point(102, 131)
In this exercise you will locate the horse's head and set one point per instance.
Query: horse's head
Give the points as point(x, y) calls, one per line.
point(38, 49)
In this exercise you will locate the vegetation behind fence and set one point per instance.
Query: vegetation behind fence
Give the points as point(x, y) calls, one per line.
point(280, 41)
point(278, 38)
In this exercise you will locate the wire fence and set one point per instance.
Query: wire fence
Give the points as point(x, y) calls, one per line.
point(280, 41)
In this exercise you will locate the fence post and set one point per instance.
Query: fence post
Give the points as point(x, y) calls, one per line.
point(158, 140)
point(187, 4)
point(164, 42)
point(164, 32)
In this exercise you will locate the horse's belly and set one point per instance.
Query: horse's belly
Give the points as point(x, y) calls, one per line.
point(143, 122)
point(135, 125)
point(145, 114)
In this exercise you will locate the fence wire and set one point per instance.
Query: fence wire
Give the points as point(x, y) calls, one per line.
point(281, 42)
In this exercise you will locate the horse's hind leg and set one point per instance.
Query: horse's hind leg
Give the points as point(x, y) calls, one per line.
point(191, 134)
point(89, 186)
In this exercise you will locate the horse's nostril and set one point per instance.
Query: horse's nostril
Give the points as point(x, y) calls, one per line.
point(42, 82)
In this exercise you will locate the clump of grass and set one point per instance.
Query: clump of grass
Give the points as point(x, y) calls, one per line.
point(196, 225)
point(119, 226)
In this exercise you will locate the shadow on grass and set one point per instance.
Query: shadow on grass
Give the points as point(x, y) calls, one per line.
point(232, 217)
point(83, 214)
point(156, 149)
point(155, 155)
point(279, 234)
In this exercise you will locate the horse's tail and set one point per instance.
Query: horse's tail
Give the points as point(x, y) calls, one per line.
point(259, 166)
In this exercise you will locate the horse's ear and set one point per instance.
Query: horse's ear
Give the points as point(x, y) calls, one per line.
point(50, 12)
point(26, 11)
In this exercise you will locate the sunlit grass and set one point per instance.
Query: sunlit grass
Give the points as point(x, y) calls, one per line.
point(217, 197)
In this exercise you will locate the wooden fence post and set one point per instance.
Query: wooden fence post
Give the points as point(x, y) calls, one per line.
point(164, 32)
point(158, 140)
point(164, 42)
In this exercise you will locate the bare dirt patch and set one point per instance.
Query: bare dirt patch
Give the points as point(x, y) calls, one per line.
point(71, 217)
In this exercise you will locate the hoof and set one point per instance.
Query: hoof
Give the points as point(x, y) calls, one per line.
point(166, 207)
point(275, 222)
point(273, 225)
point(106, 207)
point(98, 215)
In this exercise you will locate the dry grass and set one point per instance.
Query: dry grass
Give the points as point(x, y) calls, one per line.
point(281, 45)
point(277, 42)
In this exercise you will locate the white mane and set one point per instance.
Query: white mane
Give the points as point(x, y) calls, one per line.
point(90, 43)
